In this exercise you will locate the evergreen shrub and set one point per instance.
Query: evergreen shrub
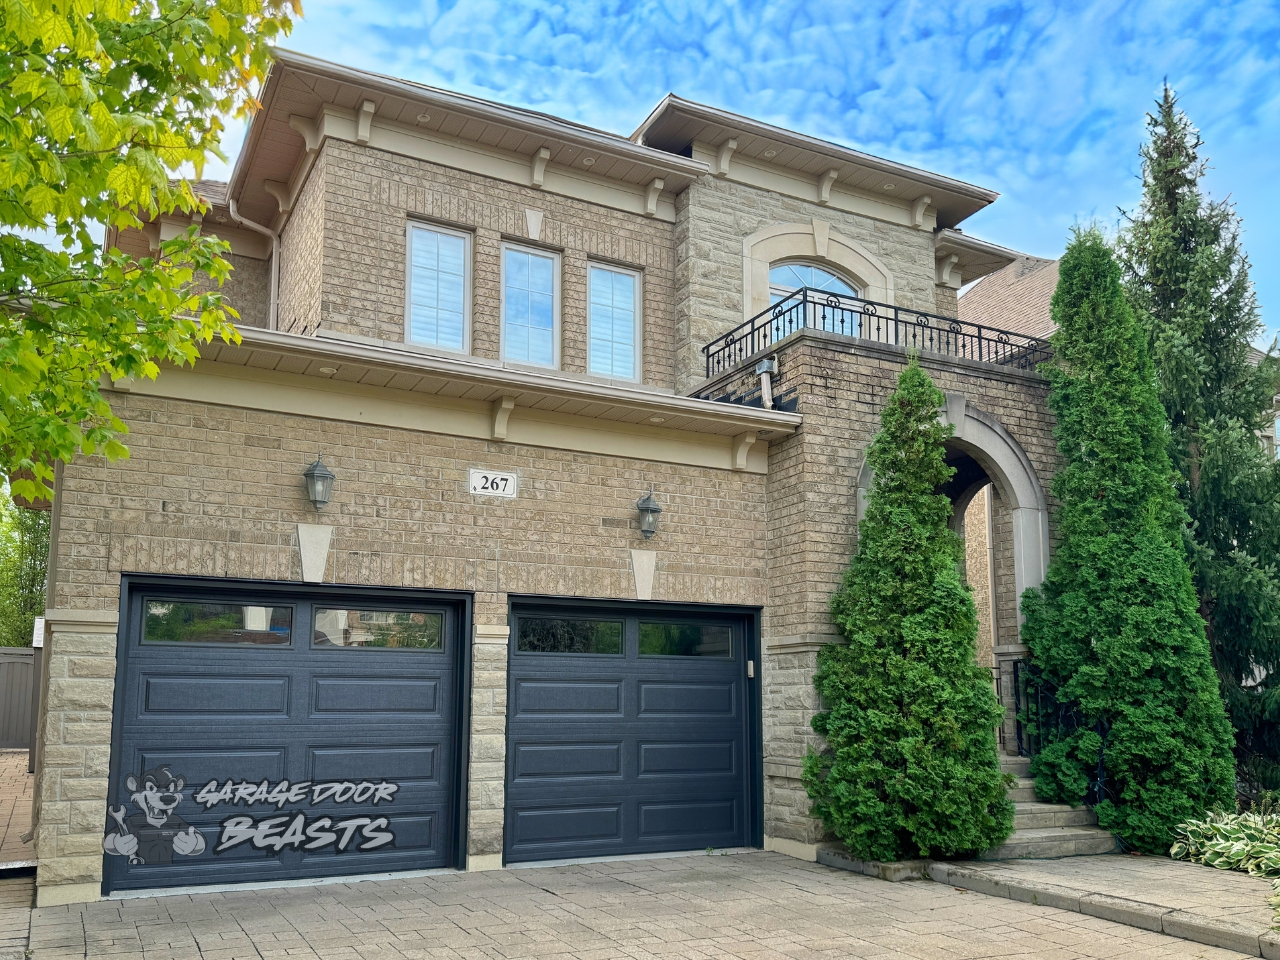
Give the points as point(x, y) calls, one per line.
point(910, 767)
point(1115, 631)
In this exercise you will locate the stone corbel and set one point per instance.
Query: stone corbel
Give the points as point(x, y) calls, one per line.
point(538, 167)
point(945, 264)
point(501, 413)
point(723, 156)
point(824, 186)
point(741, 447)
point(364, 121)
point(917, 210)
point(284, 196)
point(651, 194)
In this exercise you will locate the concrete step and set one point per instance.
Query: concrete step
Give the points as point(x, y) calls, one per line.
point(1023, 790)
point(1018, 766)
point(1029, 816)
point(1040, 843)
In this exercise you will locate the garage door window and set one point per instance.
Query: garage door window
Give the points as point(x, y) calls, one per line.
point(563, 635)
point(378, 629)
point(189, 621)
point(685, 640)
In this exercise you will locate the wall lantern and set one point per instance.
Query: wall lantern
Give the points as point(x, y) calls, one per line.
point(319, 483)
point(649, 511)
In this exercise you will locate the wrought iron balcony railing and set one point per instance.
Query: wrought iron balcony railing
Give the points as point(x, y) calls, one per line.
point(877, 322)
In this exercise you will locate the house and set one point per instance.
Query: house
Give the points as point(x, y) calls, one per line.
point(509, 530)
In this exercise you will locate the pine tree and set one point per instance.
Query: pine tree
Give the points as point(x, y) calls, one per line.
point(911, 767)
point(1188, 281)
point(1115, 629)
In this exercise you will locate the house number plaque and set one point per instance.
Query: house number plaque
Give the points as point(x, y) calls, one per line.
point(488, 483)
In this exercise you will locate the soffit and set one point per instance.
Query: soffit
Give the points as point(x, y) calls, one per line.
point(464, 379)
point(976, 258)
point(299, 85)
point(676, 123)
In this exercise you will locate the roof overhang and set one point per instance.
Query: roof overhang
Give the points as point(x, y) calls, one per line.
point(341, 362)
point(962, 258)
point(301, 91)
point(676, 123)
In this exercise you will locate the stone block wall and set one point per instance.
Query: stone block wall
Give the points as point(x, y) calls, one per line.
point(217, 491)
point(368, 197)
point(714, 216)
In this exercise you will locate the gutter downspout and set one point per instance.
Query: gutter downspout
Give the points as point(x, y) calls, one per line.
point(273, 320)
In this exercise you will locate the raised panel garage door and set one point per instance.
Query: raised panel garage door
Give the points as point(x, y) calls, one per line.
point(629, 731)
point(273, 734)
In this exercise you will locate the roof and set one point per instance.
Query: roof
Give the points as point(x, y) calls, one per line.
point(300, 86)
point(675, 123)
point(1014, 298)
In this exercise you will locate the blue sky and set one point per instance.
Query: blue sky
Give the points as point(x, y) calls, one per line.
point(1041, 101)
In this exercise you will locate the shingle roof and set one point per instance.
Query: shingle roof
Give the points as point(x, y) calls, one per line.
point(1014, 298)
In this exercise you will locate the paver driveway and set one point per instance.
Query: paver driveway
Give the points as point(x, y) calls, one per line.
point(754, 905)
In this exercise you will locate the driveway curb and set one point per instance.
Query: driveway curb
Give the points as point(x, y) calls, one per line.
point(1133, 913)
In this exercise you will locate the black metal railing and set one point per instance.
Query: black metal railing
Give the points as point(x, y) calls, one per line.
point(878, 322)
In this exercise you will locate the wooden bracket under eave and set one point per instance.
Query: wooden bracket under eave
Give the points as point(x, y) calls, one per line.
point(741, 447)
point(501, 413)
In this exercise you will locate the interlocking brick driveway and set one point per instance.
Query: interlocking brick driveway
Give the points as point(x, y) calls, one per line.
point(755, 905)
point(15, 807)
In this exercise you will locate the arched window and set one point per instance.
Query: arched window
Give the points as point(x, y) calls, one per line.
point(786, 278)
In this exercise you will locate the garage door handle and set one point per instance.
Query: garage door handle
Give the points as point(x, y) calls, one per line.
point(751, 669)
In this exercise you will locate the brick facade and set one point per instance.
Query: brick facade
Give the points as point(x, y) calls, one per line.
point(346, 257)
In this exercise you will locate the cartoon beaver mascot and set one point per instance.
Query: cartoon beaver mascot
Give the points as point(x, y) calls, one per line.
point(157, 833)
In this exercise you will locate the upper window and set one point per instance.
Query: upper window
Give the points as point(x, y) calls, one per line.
point(786, 278)
point(195, 621)
point(613, 298)
point(437, 294)
point(530, 306)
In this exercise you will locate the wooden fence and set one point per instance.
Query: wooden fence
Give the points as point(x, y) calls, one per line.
point(17, 683)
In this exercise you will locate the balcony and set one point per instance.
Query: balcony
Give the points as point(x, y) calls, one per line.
point(876, 322)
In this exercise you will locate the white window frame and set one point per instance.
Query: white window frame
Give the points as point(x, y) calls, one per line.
point(467, 271)
point(554, 256)
point(857, 288)
point(638, 313)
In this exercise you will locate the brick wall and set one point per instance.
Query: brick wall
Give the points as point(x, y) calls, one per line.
point(302, 256)
point(714, 216)
point(812, 502)
point(368, 197)
point(218, 491)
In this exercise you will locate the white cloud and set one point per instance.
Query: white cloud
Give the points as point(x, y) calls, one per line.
point(1043, 101)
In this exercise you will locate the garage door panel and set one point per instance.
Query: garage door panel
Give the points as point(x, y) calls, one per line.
point(356, 696)
point(560, 760)
point(568, 698)
point(200, 767)
point(367, 763)
point(214, 696)
point(659, 698)
point(567, 824)
point(688, 758)
point(689, 818)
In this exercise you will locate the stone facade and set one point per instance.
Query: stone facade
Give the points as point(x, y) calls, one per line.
point(715, 215)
